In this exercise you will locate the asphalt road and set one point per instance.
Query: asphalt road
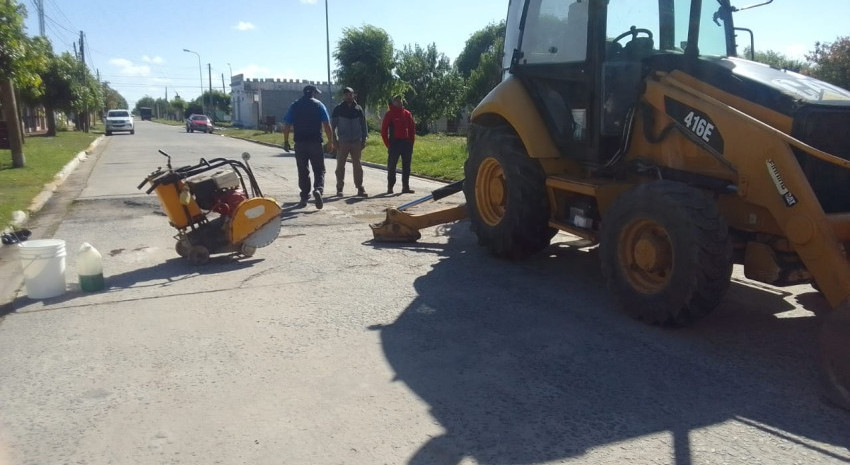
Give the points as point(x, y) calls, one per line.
point(329, 348)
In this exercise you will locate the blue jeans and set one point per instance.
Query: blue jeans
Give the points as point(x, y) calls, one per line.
point(310, 154)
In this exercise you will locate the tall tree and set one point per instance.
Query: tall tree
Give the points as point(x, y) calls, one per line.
point(13, 65)
point(480, 42)
point(480, 62)
point(66, 85)
point(177, 107)
point(220, 102)
point(60, 78)
point(111, 97)
point(777, 60)
point(145, 102)
point(365, 59)
point(88, 96)
point(435, 89)
point(831, 62)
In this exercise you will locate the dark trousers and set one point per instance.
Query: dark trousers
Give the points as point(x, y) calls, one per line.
point(310, 154)
point(399, 148)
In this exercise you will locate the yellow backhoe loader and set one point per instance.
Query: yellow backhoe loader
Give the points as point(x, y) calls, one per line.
point(633, 124)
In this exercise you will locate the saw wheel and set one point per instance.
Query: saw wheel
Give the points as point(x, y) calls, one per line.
point(199, 255)
point(247, 250)
point(182, 247)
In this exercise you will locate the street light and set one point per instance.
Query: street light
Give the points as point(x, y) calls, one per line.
point(201, 76)
point(328, 38)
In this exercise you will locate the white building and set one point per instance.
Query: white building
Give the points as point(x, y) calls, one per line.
point(254, 101)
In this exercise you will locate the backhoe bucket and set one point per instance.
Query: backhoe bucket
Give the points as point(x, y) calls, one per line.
point(403, 227)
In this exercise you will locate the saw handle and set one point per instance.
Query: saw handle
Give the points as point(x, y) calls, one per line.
point(166, 156)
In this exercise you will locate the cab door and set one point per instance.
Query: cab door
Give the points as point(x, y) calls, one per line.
point(553, 57)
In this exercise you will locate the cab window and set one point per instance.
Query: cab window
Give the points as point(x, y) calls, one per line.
point(632, 30)
point(712, 34)
point(555, 32)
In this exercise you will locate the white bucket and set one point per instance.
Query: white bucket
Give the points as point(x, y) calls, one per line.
point(43, 263)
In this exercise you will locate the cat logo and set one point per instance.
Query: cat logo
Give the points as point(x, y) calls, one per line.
point(786, 194)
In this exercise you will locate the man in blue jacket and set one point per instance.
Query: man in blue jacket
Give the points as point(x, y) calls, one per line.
point(308, 116)
point(348, 124)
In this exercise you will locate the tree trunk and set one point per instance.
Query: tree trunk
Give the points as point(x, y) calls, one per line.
point(10, 111)
point(51, 121)
point(20, 110)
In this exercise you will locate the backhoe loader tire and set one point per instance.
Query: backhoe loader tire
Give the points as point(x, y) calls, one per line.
point(666, 253)
point(505, 194)
point(835, 356)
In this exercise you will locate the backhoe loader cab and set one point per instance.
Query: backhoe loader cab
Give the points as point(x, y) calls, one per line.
point(632, 124)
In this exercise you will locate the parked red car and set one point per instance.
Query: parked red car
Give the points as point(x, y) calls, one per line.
point(199, 123)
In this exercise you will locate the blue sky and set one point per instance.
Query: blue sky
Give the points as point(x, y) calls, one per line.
point(138, 45)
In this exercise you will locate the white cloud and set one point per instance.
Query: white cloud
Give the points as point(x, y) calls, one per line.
point(254, 72)
point(128, 68)
point(244, 26)
point(154, 60)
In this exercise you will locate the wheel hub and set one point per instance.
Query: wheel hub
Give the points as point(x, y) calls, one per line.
point(490, 191)
point(646, 255)
point(650, 254)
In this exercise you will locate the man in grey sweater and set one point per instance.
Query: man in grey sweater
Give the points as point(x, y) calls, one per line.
point(348, 125)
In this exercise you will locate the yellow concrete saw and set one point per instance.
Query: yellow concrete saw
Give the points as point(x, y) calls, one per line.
point(216, 206)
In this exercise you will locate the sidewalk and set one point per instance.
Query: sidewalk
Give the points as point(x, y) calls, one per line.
point(71, 177)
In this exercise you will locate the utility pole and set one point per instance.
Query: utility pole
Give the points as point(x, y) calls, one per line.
point(209, 73)
point(200, 77)
point(222, 84)
point(328, 38)
point(40, 7)
point(102, 110)
point(84, 117)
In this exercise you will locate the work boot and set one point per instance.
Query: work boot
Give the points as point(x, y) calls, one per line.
point(407, 190)
point(361, 192)
point(302, 204)
point(389, 189)
point(317, 196)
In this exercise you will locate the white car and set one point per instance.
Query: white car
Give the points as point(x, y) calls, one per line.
point(119, 120)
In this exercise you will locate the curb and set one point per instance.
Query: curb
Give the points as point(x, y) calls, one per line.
point(330, 155)
point(20, 218)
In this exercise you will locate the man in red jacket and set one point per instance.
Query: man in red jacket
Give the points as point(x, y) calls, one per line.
point(399, 132)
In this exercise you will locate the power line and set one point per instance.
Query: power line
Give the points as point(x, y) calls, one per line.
point(51, 26)
point(56, 7)
point(49, 18)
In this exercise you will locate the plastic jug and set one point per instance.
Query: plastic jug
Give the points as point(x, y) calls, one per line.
point(90, 268)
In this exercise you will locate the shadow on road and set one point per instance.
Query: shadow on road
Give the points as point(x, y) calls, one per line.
point(160, 275)
point(543, 367)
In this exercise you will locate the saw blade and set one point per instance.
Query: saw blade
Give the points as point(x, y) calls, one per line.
point(265, 235)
